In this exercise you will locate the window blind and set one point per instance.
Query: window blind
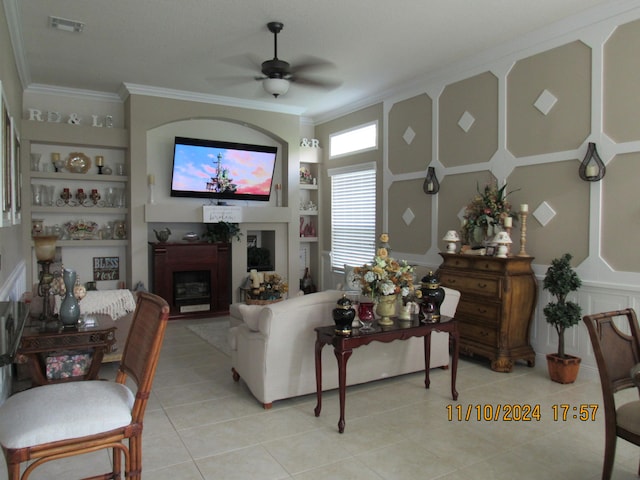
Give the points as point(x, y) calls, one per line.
point(353, 216)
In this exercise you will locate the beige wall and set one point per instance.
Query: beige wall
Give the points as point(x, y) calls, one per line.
point(145, 113)
point(12, 250)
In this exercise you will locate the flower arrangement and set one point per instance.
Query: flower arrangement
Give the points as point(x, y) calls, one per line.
point(305, 175)
point(487, 209)
point(385, 275)
point(270, 287)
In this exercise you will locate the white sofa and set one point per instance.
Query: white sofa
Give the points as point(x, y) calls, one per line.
point(272, 348)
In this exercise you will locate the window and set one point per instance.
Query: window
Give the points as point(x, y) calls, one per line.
point(353, 215)
point(358, 139)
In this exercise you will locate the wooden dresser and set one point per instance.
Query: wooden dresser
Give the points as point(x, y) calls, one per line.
point(498, 298)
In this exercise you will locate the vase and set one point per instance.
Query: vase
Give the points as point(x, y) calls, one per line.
point(69, 309)
point(386, 308)
point(365, 315)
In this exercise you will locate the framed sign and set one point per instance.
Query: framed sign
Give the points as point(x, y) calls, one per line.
point(106, 268)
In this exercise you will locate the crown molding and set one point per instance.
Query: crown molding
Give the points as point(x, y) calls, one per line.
point(73, 92)
point(127, 89)
point(12, 12)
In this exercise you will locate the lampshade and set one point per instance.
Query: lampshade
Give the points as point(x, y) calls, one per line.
point(275, 86)
point(502, 237)
point(45, 247)
point(451, 236)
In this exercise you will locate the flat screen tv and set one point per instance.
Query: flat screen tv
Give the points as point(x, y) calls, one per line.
point(222, 170)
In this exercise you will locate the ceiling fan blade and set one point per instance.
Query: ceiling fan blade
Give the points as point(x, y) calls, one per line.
point(310, 63)
point(229, 81)
point(317, 83)
point(247, 61)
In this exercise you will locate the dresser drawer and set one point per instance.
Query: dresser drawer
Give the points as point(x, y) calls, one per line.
point(478, 333)
point(471, 283)
point(484, 311)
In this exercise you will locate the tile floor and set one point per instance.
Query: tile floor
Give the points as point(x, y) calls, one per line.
point(202, 425)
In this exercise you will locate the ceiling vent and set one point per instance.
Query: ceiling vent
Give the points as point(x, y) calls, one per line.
point(66, 25)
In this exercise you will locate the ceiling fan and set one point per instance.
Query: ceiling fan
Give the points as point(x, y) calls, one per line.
point(278, 74)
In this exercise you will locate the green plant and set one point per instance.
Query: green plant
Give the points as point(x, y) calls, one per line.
point(221, 232)
point(561, 280)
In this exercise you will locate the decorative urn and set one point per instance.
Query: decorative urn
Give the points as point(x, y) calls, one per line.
point(432, 298)
point(343, 316)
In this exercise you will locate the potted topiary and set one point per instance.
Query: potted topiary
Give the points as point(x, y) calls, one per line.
point(561, 280)
point(221, 232)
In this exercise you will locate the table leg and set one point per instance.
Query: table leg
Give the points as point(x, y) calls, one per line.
point(455, 336)
point(319, 346)
point(342, 358)
point(427, 359)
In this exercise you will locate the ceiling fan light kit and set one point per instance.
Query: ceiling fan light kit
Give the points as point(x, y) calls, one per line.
point(275, 86)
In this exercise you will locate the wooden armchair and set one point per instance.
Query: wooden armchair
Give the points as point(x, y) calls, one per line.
point(61, 420)
point(617, 355)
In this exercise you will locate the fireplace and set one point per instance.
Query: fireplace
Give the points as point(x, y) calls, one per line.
point(194, 278)
point(192, 291)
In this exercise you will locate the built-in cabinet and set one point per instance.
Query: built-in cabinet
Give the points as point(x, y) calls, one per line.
point(310, 159)
point(498, 297)
point(89, 227)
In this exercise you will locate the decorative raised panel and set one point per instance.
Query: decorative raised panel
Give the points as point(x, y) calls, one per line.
point(408, 216)
point(545, 102)
point(544, 213)
point(466, 121)
point(409, 135)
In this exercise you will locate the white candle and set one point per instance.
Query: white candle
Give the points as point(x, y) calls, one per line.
point(430, 187)
point(524, 207)
point(152, 179)
point(508, 222)
point(592, 171)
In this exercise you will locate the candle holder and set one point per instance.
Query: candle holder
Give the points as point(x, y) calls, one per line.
point(81, 196)
point(99, 163)
point(94, 196)
point(65, 197)
point(523, 234)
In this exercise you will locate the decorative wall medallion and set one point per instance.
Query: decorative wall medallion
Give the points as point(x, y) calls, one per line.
point(408, 216)
point(466, 121)
point(544, 213)
point(409, 135)
point(545, 102)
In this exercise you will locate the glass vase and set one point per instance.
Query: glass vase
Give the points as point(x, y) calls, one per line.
point(69, 309)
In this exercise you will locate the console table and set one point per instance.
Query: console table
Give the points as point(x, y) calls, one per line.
point(343, 348)
point(497, 301)
point(37, 344)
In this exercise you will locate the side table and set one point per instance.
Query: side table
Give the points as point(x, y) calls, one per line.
point(343, 348)
point(36, 344)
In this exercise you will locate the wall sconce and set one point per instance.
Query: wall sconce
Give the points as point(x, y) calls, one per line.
point(592, 168)
point(431, 185)
point(451, 238)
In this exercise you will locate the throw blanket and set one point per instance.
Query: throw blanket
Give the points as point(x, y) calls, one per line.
point(116, 303)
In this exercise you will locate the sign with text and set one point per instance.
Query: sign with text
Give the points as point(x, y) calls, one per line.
point(221, 213)
point(106, 268)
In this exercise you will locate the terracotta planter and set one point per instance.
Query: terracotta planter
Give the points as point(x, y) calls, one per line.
point(563, 370)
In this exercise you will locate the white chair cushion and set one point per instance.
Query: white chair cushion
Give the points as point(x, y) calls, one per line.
point(628, 416)
point(64, 410)
point(250, 314)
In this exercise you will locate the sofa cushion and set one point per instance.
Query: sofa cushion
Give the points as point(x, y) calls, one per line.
point(250, 314)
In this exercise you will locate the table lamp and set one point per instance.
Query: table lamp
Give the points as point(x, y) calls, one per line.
point(452, 238)
point(45, 248)
point(503, 240)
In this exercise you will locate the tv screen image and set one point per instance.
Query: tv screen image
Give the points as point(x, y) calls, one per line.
point(222, 170)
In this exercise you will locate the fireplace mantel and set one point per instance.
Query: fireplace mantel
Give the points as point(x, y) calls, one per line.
point(180, 213)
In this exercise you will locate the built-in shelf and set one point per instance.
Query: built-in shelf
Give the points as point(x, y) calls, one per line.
point(308, 239)
point(308, 186)
point(84, 177)
point(91, 243)
point(308, 212)
point(84, 211)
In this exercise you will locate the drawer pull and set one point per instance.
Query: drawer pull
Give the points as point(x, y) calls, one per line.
point(482, 285)
point(482, 310)
point(451, 280)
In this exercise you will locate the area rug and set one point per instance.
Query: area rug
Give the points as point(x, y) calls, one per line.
point(214, 333)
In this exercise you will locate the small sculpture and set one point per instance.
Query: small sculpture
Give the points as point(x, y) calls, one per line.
point(162, 235)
